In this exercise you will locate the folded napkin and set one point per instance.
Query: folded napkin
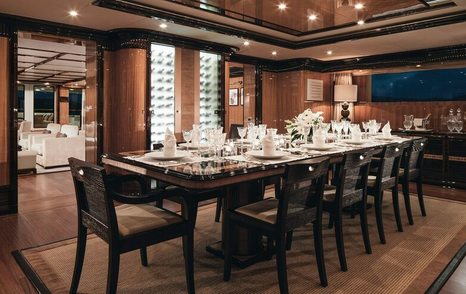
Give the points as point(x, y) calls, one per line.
point(386, 131)
point(268, 145)
point(169, 143)
point(318, 138)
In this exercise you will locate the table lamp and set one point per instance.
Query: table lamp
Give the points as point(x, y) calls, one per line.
point(346, 94)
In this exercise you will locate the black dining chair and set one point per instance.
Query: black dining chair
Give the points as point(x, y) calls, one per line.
point(134, 224)
point(350, 189)
point(234, 131)
point(411, 170)
point(300, 203)
point(385, 176)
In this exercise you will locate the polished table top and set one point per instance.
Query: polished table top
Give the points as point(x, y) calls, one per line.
point(196, 172)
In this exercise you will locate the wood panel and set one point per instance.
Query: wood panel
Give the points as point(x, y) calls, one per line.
point(235, 112)
point(90, 113)
point(5, 160)
point(249, 100)
point(270, 99)
point(63, 105)
point(125, 100)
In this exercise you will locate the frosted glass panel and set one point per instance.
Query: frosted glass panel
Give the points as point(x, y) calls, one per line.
point(210, 101)
point(162, 106)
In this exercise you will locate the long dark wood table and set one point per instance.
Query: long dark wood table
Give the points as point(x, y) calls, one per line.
point(240, 180)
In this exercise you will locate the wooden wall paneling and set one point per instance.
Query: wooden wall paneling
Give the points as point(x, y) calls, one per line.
point(270, 99)
point(364, 88)
point(226, 97)
point(5, 159)
point(291, 96)
point(128, 94)
point(236, 112)
point(108, 84)
point(326, 105)
point(249, 82)
point(90, 113)
point(63, 106)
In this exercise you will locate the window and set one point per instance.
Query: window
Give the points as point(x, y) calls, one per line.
point(20, 102)
point(426, 85)
point(162, 106)
point(44, 106)
point(76, 104)
point(211, 97)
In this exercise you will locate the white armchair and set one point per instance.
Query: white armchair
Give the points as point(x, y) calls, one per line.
point(53, 152)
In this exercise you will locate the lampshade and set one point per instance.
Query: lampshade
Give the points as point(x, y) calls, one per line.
point(348, 93)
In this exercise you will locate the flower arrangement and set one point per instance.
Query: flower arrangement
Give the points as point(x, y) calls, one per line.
point(307, 119)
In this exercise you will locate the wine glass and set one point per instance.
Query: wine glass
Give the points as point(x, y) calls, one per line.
point(242, 133)
point(459, 126)
point(451, 125)
point(188, 136)
point(305, 132)
point(338, 128)
point(346, 125)
point(365, 126)
point(219, 142)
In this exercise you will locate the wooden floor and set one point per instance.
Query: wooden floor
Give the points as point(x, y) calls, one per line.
point(47, 213)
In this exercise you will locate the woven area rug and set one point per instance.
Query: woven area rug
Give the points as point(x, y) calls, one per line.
point(392, 267)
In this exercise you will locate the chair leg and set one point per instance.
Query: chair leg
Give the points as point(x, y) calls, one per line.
point(143, 254)
point(269, 249)
point(353, 210)
point(113, 269)
point(365, 227)
point(405, 186)
point(330, 221)
point(78, 264)
point(339, 238)
point(218, 209)
point(159, 203)
point(188, 251)
point(396, 208)
point(289, 240)
point(420, 196)
point(378, 200)
point(277, 186)
point(319, 248)
point(281, 264)
point(227, 250)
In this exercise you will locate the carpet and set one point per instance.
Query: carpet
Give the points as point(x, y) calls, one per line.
point(391, 268)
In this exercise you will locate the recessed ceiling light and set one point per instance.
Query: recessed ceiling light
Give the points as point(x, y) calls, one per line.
point(282, 6)
point(312, 17)
point(359, 6)
point(163, 25)
point(360, 22)
point(246, 43)
point(329, 52)
point(73, 13)
point(47, 83)
point(274, 53)
point(418, 65)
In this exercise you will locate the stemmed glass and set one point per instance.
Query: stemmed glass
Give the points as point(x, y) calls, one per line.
point(346, 125)
point(365, 126)
point(188, 136)
point(459, 126)
point(242, 133)
point(305, 132)
point(338, 128)
point(219, 142)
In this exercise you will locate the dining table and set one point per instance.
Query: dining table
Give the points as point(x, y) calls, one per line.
point(239, 177)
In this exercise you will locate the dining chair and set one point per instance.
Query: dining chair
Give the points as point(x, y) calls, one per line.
point(234, 131)
point(134, 224)
point(350, 189)
point(300, 203)
point(411, 170)
point(385, 177)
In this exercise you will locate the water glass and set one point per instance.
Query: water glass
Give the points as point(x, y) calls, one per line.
point(187, 136)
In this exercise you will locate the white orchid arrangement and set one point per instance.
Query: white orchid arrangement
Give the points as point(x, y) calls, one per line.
point(307, 119)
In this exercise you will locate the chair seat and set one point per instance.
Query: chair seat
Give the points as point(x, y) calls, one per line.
point(371, 180)
point(134, 219)
point(266, 210)
point(329, 193)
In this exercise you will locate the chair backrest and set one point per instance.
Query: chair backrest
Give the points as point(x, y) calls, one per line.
point(53, 127)
point(352, 176)
point(301, 197)
point(95, 208)
point(70, 130)
point(25, 126)
point(415, 154)
point(390, 160)
point(234, 131)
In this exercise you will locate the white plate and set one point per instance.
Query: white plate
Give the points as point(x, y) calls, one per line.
point(362, 142)
point(321, 148)
point(260, 154)
point(158, 155)
point(193, 146)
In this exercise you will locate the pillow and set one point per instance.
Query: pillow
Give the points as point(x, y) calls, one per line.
point(61, 135)
point(46, 132)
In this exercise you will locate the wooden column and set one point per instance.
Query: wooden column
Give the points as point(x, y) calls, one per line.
point(125, 89)
point(63, 106)
point(8, 203)
point(90, 113)
point(270, 99)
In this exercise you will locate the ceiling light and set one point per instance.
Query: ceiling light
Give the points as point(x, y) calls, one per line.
point(359, 6)
point(360, 22)
point(274, 53)
point(282, 6)
point(46, 83)
point(73, 13)
point(312, 17)
point(418, 65)
point(246, 43)
point(163, 25)
point(329, 52)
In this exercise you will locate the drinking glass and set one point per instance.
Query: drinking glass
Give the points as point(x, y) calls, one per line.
point(305, 133)
point(451, 125)
point(242, 134)
point(346, 125)
point(219, 142)
point(459, 126)
point(365, 126)
point(188, 136)
point(338, 128)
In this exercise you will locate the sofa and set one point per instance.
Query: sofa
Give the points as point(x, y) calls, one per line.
point(27, 162)
point(25, 138)
point(53, 151)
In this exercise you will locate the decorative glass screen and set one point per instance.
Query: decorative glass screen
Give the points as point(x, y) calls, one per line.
point(162, 106)
point(210, 98)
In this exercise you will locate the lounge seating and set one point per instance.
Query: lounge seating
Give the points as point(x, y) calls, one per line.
point(27, 161)
point(25, 140)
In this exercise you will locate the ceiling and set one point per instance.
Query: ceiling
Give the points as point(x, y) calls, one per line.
point(92, 16)
point(50, 60)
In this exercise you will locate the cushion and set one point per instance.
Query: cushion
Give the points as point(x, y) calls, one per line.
point(61, 135)
point(371, 181)
point(46, 131)
point(37, 148)
point(134, 219)
point(266, 210)
point(329, 193)
point(70, 130)
point(53, 128)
